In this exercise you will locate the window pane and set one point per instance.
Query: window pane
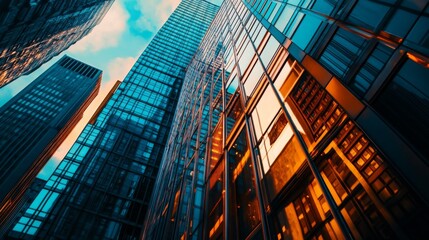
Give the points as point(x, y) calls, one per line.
point(306, 31)
point(285, 165)
point(245, 202)
point(263, 115)
point(253, 78)
point(343, 49)
point(404, 103)
point(371, 68)
point(234, 114)
point(368, 14)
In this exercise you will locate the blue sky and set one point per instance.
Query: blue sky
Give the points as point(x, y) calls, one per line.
point(113, 46)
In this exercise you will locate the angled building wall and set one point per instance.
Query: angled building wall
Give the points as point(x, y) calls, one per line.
point(33, 32)
point(301, 120)
point(36, 121)
point(103, 186)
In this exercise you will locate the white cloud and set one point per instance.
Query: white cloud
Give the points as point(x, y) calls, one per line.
point(107, 33)
point(119, 67)
point(154, 13)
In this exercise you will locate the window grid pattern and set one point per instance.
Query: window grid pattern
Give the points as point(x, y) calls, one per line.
point(103, 186)
point(250, 57)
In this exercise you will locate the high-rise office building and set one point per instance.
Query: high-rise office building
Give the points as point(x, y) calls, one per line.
point(22, 205)
point(35, 122)
point(301, 120)
point(32, 32)
point(102, 188)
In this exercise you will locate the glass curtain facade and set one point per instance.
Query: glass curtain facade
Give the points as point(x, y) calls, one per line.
point(35, 122)
point(32, 32)
point(301, 119)
point(22, 205)
point(102, 187)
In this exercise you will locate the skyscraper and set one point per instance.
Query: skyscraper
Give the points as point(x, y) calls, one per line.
point(301, 120)
point(22, 205)
point(32, 32)
point(35, 122)
point(102, 187)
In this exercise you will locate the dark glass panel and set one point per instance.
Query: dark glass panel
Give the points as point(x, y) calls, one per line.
point(215, 202)
point(387, 193)
point(342, 52)
point(420, 33)
point(404, 103)
point(368, 14)
point(216, 146)
point(371, 68)
point(234, 113)
point(245, 205)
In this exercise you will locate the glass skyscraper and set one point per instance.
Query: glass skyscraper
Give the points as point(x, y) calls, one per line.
point(22, 205)
point(36, 121)
point(301, 119)
point(297, 119)
point(102, 188)
point(32, 32)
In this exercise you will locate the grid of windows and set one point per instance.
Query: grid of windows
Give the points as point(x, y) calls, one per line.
point(103, 186)
point(34, 32)
point(284, 154)
point(35, 122)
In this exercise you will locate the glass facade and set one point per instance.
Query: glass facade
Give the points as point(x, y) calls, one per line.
point(102, 188)
point(33, 32)
point(22, 205)
point(301, 119)
point(35, 122)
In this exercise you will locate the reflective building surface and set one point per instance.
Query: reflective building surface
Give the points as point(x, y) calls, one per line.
point(22, 205)
point(34, 31)
point(35, 122)
point(102, 188)
point(301, 119)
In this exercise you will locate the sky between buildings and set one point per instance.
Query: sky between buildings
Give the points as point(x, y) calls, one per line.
point(113, 46)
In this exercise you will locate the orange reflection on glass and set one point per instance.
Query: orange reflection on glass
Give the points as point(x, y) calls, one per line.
point(288, 76)
point(240, 165)
point(216, 148)
point(305, 217)
point(216, 226)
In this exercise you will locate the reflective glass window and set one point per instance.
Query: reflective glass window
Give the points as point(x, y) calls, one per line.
point(419, 33)
point(371, 68)
point(253, 78)
point(404, 103)
point(288, 76)
point(262, 115)
point(321, 112)
point(245, 205)
point(234, 113)
point(282, 160)
point(368, 14)
point(307, 217)
point(215, 203)
point(341, 52)
point(285, 17)
point(269, 50)
point(306, 31)
point(400, 23)
point(324, 6)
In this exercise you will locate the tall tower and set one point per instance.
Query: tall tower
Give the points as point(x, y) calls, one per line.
point(35, 122)
point(301, 120)
point(103, 186)
point(32, 32)
point(22, 205)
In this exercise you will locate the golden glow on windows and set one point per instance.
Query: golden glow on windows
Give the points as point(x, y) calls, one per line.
point(216, 226)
